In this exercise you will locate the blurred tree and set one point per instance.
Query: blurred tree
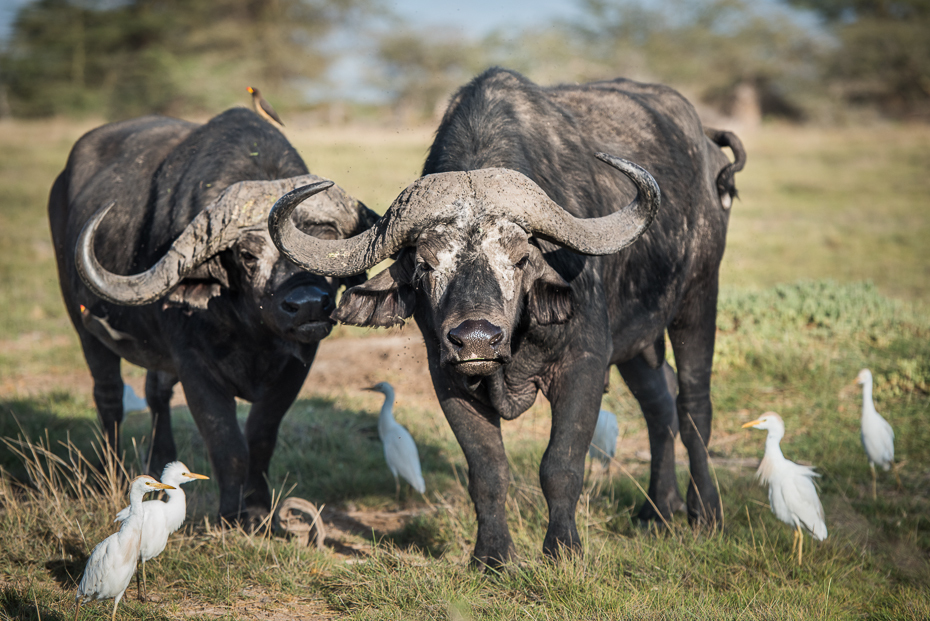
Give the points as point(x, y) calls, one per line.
point(420, 70)
point(130, 57)
point(884, 53)
point(732, 54)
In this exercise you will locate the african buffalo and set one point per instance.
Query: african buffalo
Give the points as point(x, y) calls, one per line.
point(523, 276)
point(164, 259)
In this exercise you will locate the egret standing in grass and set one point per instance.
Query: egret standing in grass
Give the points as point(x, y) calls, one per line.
point(133, 402)
point(877, 435)
point(110, 567)
point(604, 442)
point(792, 493)
point(400, 451)
point(160, 519)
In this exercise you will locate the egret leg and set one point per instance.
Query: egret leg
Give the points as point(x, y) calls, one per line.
point(794, 542)
point(874, 493)
point(115, 604)
point(396, 489)
point(897, 476)
point(143, 582)
point(77, 609)
point(800, 545)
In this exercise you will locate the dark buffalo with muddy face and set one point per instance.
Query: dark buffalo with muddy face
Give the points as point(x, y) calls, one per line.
point(530, 264)
point(164, 260)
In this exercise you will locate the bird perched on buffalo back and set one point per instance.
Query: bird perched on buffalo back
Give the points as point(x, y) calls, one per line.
point(263, 108)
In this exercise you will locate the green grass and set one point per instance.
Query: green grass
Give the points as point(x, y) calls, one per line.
point(840, 217)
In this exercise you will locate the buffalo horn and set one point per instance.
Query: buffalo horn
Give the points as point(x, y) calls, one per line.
point(216, 228)
point(410, 213)
point(607, 234)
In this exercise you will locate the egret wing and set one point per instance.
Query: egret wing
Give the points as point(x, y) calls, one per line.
point(402, 456)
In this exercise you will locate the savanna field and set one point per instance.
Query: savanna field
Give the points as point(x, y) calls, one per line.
point(827, 271)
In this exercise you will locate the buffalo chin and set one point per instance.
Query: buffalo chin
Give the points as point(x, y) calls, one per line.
point(477, 367)
point(311, 332)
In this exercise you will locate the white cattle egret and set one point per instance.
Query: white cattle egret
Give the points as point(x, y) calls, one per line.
point(131, 401)
point(792, 494)
point(604, 442)
point(877, 435)
point(160, 519)
point(110, 567)
point(400, 451)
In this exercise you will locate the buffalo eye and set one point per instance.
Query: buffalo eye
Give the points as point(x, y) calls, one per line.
point(247, 257)
point(522, 262)
point(424, 267)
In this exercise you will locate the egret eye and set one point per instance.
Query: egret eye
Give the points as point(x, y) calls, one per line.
point(522, 262)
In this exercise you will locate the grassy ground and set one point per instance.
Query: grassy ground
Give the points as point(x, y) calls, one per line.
point(816, 204)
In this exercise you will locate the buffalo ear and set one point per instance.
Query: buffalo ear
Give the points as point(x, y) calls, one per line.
point(385, 300)
point(550, 297)
point(206, 282)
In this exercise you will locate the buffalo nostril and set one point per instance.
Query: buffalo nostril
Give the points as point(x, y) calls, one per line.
point(289, 307)
point(455, 340)
point(496, 338)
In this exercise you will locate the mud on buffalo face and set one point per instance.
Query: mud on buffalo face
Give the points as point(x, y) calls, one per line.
point(469, 260)
point(473, 278)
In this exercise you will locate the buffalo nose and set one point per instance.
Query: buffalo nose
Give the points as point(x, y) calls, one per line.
point(476, 334)
point(307, 304)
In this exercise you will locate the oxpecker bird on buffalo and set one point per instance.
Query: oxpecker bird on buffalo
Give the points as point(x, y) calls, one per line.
point(555, 231)
point(164, 260)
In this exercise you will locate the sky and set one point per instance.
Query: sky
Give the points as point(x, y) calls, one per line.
point(476, 18)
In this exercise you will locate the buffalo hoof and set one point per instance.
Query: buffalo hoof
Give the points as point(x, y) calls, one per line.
point(558, 549)
point(662, 511)
point(493, 557)
point(704, 510)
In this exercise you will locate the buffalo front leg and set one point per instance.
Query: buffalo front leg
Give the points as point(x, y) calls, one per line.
point(261, 430)
point(692, 336)
point(159, 387)
point(104, 367)
point(650, 388)
point(576, 397)
point(479, 435)
point(214, 412)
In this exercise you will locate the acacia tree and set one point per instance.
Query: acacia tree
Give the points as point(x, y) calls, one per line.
point(169, 56)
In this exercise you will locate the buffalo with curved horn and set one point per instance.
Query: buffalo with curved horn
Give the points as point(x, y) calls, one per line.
point(164, 260)
point(525, 275)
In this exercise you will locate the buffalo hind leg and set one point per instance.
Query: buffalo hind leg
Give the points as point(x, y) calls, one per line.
point(692, 335)
point(261, 430)
point(159, 387)
point(650, 387)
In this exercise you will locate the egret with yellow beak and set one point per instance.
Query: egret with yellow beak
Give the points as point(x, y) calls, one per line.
point(160, 518)
point(792, 494)
point(113, 561)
